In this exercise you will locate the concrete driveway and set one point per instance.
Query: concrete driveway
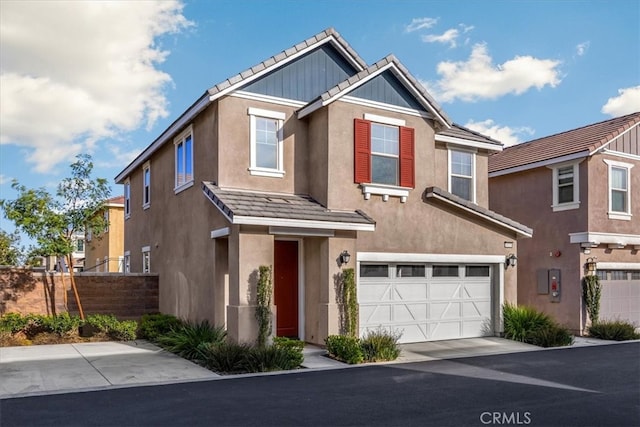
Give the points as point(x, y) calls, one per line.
point(63, 368)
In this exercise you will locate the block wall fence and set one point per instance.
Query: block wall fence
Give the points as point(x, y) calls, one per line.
point(127, 296)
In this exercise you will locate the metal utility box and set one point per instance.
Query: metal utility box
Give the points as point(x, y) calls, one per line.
point(554, 285)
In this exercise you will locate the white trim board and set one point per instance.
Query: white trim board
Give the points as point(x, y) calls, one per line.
point(430, 258)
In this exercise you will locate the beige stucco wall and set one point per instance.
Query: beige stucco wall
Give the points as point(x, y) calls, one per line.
point(110, 244)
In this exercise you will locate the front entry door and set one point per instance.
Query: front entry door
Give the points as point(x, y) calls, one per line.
point(285, 272)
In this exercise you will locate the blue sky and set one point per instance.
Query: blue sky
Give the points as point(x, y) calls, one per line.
point(106, 78)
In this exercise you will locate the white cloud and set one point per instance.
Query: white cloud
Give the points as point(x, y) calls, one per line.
point(74, 73)
point(118, 157)
point(420, 23)
point(582, 48)
point(508, 136)
point(478, 78)
point(4, 179)
point(627, 102)
point(466, 28)
point(448, 37)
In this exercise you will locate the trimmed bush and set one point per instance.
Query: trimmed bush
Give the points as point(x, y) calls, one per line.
point(520, 321)
point(380, 346)
point(226, 357)
point(186, 339)
point(63, 324)
point(154, 325)
point(345, 348)
point(550, 336)
point(272, 358)
point(13, 323)
point(293, 348)
point(616, 330)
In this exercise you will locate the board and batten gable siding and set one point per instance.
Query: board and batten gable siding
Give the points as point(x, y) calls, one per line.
point(305, 78)
point(386, 89)
point(628, 143)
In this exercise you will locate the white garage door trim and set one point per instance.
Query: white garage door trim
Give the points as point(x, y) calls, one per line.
point(420, 306)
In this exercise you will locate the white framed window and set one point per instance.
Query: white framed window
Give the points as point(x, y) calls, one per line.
point(127, 199)
point(146, 259)
point(462, 171)
point(566, 187)
point(619, 190)
point(146, 185)
point(385, 154)
point(267, 150)
point(183, 144)
point(106, 220)
point(79, 245)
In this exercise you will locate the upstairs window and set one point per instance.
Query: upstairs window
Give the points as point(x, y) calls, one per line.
point(384, 152)
point(619, 190)
point(462, 174)
point(566, 187)
point(127, 199)
point(146, 185)
point(267, 157)
point(146, 259)
point(79, 245)
point(183, 160)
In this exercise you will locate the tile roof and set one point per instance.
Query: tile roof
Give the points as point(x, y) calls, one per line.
point(586, 140)
point(458, 131)
point(117, 200)
point(244, 75)
point(451, 199)
point(340, 88)
point(253, 205)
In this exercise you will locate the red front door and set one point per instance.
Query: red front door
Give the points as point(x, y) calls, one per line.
point(285, 272)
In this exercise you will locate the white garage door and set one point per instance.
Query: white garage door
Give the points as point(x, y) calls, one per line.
point(426, 301)
point(620, 299)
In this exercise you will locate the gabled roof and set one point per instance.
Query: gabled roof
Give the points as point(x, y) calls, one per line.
point(564, 146)
point(115, 201)
point(436, 193)
point(328, 35)
point(390, 62)
point(457, 133)
point(284, 210)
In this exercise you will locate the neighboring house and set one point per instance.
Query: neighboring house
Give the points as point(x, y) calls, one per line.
point(105, 253)
point(53, 262)
point(300, 160)
point(579, 191)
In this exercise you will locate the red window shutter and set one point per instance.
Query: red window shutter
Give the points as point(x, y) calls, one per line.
point(362, 154)
point(407, 157)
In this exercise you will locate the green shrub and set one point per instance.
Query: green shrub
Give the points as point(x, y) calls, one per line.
point(226, 357)
point(13, 322)
point(36, 324)
point(344, 348)
point(154, 325)
point(63, 324)
point(293, 348)
point(380, 345)
point(520, 321)
point(550, 336)
point(272, 358)
point(109, 325)
point(185, 339)
point(616, 330)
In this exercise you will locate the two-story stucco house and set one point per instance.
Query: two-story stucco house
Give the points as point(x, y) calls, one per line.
point(300, 160)
point(579, 191)
point(105, 253)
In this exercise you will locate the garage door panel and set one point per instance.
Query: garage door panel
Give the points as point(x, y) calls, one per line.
point(374, 315)
point(444, 330)
point(476, 308)
point(444, 291)
point(477, 290)
point(475, 328)
point(410, 312)
point(445, 310)
point(410, 291)
point(375, 292)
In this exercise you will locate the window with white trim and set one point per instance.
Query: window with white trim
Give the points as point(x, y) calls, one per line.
point(146, 259)
point(127, 262)
point(183, 160)
point(106, 220)
point(127, 199)
point(462, 174)
point(619, 190)
point(566, 187)
point(266, 134)
point(146, 185)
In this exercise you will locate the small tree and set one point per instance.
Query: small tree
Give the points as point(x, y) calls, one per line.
point(52, 221)
point(10, 253)
point(591, 291)
point(350, 301)
point(263, 304)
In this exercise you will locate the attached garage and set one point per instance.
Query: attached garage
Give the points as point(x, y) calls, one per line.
point(620, 299)
point(430, 301)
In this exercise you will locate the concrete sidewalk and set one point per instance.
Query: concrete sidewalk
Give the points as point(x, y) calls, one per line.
point(64, 368)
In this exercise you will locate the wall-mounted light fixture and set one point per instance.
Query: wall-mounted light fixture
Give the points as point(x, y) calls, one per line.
point(345, 257)
point(511, 260)
point(591, 265)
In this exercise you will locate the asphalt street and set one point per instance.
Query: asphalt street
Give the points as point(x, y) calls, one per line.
point(584, 386)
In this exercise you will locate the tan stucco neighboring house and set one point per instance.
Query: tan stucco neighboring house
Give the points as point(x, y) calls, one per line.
point(300, 159)
point(579, 191)
point(105, 253)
